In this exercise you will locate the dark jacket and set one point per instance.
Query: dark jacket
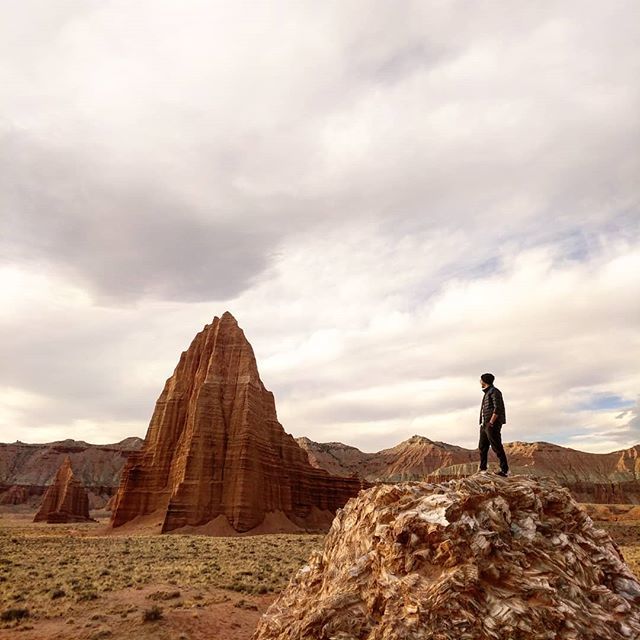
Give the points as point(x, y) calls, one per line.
point(492, 402)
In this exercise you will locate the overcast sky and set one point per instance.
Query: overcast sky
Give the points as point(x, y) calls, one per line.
point(390, 197)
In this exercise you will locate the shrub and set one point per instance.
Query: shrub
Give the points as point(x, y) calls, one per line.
point(15, 613)
point(164, 595)
point(152, 614)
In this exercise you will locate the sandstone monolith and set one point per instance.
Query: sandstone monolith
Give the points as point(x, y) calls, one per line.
point(65, 500)
point(216, 454)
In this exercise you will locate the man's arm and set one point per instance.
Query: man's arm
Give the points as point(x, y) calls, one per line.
point(496, 408)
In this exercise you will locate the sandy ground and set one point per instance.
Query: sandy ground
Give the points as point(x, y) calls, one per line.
point(196, 614)
point(75, 583)
point(71, 582)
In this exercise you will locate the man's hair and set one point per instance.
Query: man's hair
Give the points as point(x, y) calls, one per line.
point(488, 378)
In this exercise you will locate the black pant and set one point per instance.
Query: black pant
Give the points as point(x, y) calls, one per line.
point(490, 436)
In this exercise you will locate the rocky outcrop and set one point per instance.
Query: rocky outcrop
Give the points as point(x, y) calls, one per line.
point(481, 557)
point(411, 459)
point(14, 495)
point(606, 478)
point(65, 500)
point(613, 512)
point(26, 470)
point(591, 477)
point(215, 450)
point(337, 458)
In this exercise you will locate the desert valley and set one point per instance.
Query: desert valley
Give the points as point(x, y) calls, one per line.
point(319, 320)
point(220, 524)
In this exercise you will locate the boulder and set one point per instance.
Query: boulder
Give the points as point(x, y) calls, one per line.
point(476, 558)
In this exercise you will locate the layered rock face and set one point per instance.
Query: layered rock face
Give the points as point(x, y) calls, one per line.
point(14, 495)
point(215, 448)
point(592, 477)
point(481, 557)
point(65, 500)
point(411, 459)
point(26, 470)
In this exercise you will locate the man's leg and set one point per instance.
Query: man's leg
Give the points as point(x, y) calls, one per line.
point(495, 438)
point(483, 446)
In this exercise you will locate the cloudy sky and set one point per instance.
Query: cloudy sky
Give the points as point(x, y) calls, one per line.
point(390, 197)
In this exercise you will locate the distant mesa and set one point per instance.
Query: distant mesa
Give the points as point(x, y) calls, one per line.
point(65, 500)
point(15, 494)
point(26, 470)
point(215, 458)
point(201, 407)
point(479, 557)
point(591, 477)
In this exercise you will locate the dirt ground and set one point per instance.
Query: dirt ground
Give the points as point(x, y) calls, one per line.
point(70, 582)
point(66, 582)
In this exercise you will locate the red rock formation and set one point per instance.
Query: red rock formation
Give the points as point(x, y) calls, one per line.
point(110, 503)
point(337, 458)
point(411, 459)
point(480, 557)
point(15, 494)
point(65, 500)
point(26, 470)
point(215, 448)
point(613, 512)
point(591, 477)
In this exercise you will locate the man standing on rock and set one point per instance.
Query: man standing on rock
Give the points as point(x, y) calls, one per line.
point(492, 417)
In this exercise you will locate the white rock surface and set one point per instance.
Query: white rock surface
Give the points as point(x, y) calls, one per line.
point(477, 558)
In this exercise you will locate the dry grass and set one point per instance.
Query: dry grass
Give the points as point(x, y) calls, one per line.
point(44, 569)
point(65, 571)
point(93, 585)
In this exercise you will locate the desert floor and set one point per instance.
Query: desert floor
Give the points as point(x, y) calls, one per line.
point(66, 582)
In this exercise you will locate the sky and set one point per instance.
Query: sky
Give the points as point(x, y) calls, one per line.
point(390, 197)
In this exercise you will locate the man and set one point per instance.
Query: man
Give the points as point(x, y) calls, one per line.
point(492, 417)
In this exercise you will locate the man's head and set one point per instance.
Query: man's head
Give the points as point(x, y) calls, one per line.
point(486, 380)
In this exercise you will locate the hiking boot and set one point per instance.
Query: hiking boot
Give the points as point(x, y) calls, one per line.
point(504, 474)
point(484, 472)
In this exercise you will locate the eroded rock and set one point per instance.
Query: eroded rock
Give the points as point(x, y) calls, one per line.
point(612, 477)
point(65, 500)
point(477, 558)
point(215, 453)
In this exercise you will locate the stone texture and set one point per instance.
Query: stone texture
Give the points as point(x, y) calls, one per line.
point(613, 512)
point(65, 500)
point(214, 447)
point(591, 477)
point(411, 459)
point(477, 558)
point(26, 470)
point(16, 494)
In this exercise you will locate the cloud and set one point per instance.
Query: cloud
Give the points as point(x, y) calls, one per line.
point(150, 152)
point(389, 198)
point(356, 349)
